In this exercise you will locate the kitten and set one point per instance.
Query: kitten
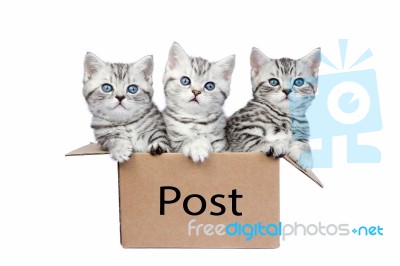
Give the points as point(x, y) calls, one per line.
point(119, 96)
point(274, 121)
point(195, 91)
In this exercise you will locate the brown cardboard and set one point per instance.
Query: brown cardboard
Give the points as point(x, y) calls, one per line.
point(252, 175)
point(90, 149)
point(141, 179)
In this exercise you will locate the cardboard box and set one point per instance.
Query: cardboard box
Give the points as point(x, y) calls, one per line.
point(229, 201)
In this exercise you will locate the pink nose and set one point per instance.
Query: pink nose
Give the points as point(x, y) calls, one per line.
point(195, 92)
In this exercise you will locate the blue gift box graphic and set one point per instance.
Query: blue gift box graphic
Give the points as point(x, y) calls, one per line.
point(347, 104)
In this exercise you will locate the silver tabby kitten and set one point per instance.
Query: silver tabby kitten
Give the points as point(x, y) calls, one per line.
point(119, 96)
point(274, 121)
point(196, 90)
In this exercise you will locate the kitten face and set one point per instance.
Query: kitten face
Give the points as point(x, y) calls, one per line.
point(196, 85)
point(286, 83)
point(117, 92)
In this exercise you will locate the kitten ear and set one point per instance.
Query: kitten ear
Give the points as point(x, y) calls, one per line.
point(313, 60)
point(226, 66)
point(176, 56)
point(145, 66)
point(92, 65)
point(257, 60)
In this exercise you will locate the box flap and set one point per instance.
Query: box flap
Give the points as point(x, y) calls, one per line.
point(90, 149)
point(308, 173)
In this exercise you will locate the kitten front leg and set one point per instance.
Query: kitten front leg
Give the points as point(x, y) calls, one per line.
point(115, 140)
point(278, 142)
point(120, 149)
point(197, 150)
point(254, 143)
point(159, 143)
point(278, 148)
point(158, 147)
point(300, 152)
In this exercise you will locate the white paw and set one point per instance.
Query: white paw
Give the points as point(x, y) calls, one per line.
point(277, 149)
point(197, 151)
point(157, 148)
point(305, 160)
point(121, 150)
point(300, 152)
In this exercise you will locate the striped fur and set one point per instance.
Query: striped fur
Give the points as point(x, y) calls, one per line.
point(274, 121)
point(124, 122)
point(194, 117)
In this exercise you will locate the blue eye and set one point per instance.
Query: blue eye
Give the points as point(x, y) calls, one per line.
point(273, 82)
point(209, 86)
point(185, 81)
point(106, 87)
point(298, 82)
point(132, 89)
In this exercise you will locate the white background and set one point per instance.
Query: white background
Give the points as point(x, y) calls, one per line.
point(64, 211)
